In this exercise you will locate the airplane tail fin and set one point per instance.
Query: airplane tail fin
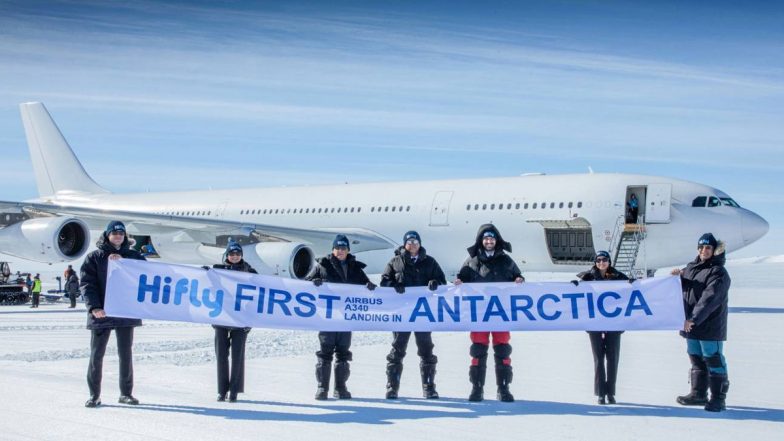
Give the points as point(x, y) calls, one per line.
point(56, 168)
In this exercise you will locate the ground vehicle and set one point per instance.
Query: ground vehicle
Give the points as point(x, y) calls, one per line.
point(13, 290)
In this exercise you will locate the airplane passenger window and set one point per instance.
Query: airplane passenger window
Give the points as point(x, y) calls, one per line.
point(333, 210)
point(552, 204)
point(579, 205)
point(525, 207)
point(484, 206)
point(386, 209)
point(401, 208)
point(468, 207)
point(544, 205)
point(508, 206)
point(209, 212)
point(560, 205)
point(570, 204)
point(319, 210)
point(393, 208)
point(533, 206)
point(476, 206)
point(714, 201)
point(517, 206)
point(372, 209)
point(408, 208)
point(492, 206)
point(359, 209)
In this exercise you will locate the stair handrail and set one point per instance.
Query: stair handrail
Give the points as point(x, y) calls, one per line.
point(615, 241)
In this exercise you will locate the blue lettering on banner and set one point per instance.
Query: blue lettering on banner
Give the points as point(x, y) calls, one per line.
point(634, 299)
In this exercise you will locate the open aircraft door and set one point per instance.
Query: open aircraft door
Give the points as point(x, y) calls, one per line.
point(439, 213)
point(657, 204)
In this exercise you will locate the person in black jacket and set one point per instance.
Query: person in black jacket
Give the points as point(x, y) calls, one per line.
point(72, 286)
point(412, 266)
point(706, 285)
point(606, 345)
point(231, 340)
point(488, 262)
point(338, 267)
point(112, 245)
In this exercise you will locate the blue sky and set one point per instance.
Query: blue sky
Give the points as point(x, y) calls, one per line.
point(168, 95)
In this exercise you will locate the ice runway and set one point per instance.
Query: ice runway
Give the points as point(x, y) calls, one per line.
point(43, 362)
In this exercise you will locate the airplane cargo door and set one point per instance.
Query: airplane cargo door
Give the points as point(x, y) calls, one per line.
point(439, 213)
point(657, 207)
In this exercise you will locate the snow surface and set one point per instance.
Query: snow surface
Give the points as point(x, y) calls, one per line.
point(44, 352)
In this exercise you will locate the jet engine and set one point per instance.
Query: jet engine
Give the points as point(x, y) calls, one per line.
point(46, 239)
point(285, 259)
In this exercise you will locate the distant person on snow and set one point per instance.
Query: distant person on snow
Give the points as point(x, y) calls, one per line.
point(36, 289)
point(706, 285)
point(72, 287)
point(112, 245)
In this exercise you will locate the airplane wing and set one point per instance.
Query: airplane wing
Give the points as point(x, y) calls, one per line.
point(203, 229)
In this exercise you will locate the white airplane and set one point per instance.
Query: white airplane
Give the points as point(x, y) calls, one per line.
point(555, 223)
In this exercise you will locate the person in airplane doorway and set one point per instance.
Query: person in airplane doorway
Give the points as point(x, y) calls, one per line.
point(633, 207)
point(606, 345)
point(36, 291)
point(412, 266)
point(231, 340)
point(488, 262)
point(338, 267)
point(112, 245)
point(706, 286)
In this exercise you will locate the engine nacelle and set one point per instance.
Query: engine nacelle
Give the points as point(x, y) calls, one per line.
point(46, 239)
point(285, 259)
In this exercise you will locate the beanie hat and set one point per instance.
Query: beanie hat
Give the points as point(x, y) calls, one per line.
point(489, 233)
point(340, 241)
point(233, 247)
point(115, 226)
point(605, 254)
point(411, 235)
point(708, 239)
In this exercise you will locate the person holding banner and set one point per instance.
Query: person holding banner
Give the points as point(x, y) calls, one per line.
point(112, 245)
point(338, 267)
point(412, 266)
point(706, 285)
point(230, 339)
point(488, 262)
point(605, 345)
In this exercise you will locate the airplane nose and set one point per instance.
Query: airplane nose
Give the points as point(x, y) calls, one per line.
point(754, 227)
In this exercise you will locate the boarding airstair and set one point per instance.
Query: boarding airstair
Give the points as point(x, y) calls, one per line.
point(627, 241)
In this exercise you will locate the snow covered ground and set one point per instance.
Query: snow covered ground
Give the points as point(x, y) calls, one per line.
point(43, 361)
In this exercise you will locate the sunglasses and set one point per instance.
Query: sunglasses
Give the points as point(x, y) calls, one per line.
point(699, 247)
point(235, 253)
point(602, 260)
point(412, 241)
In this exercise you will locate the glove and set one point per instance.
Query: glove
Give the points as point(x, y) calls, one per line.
point(205, 267)
point(432, 285)
point(575, 283)
point(370, 286)
point(400, 289)
point(632, 280)
point(318, 282)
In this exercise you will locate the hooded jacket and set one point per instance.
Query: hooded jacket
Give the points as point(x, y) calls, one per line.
point(706, 288)
point(401, 270)
point(329, 269)
point(93, 282)
point(479, 268)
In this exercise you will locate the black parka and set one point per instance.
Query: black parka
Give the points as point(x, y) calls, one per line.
point(93, 282)
point(243, 266)
point(328, 269)
point(479, 268)
point(706, 288)
point(401, 270)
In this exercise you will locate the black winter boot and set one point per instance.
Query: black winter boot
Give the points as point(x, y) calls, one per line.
point(699, 389)
point(477, 376)
point(719, 385)
point(428, 372)
point(342, 372)
point(394, 371)
point(323, 372)
point(503, 377)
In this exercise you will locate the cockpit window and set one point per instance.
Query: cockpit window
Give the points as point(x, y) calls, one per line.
point(699, 201)
point(731, 202)
point(714, 201)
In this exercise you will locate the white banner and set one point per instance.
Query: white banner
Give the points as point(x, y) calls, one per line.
point(148, 290)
